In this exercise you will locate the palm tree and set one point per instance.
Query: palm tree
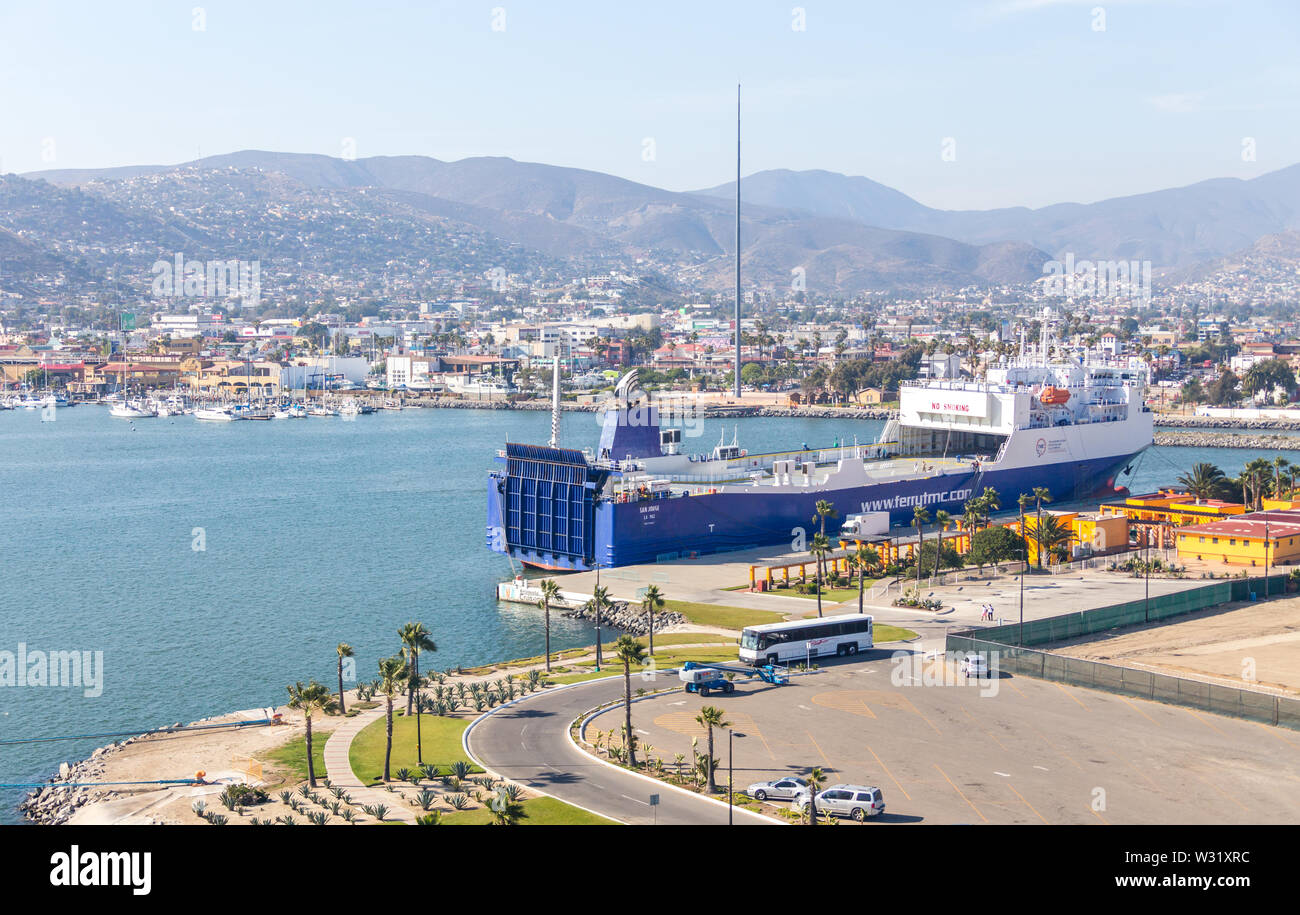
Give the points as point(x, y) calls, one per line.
point(652, 600)
point(550, 591)
point(1258, 473)
point(819, 548)
point(392, 674)
point(345, 651)
point(920, 517)
point(599, 600)
point(630, 652)
point(309, 699)
point(711, 717)
point(1041, 494)
point(1280, 464)
point(824, 510)
point(942, 519)
point(415, 639)
point(1054, 537)
point(990, 502)
point(816, 778)
point(1204, 481)
point(864, 558)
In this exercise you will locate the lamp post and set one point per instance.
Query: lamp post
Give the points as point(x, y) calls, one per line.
point(1146, 606)
point(1266, 542)
point(595, 599)
point(731, 756)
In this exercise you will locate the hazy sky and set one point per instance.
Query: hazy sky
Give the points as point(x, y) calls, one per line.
point(1042, 105)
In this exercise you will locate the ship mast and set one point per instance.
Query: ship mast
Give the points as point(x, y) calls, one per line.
point(555, 402)
point(737, 369)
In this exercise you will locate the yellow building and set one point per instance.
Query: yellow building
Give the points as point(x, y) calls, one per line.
point(231, 378)
point(1177, 508)
point(1096, 532)
point(1246, 540)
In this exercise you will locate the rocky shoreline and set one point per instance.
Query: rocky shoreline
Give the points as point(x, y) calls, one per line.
point(1202, 439)
point(58, 800)
point(628, 618)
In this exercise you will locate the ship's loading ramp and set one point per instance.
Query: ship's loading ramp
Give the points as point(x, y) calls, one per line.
point(549, 499)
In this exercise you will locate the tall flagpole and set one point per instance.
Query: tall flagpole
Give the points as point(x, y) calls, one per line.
point(737, 371)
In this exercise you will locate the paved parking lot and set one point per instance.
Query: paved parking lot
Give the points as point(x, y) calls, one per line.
point(946, 750)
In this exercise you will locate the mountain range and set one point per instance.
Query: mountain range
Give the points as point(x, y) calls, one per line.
point(844, 233)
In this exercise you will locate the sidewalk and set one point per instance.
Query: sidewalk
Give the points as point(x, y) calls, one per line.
point(340, 771)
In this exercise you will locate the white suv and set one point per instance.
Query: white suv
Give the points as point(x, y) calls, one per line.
point(974, 665)
point(855, 801)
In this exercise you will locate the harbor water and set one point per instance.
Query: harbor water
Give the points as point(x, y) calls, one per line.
point(214, 563)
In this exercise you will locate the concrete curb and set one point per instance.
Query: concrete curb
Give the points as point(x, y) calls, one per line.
point(586, 719)
point(464, 742)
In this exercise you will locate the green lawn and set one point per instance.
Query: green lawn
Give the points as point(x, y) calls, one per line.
point(539, 811)
point(663, 659)
point(829, 596)
point(667, 638)
point(886, 633)
point(722, 617)
point(291, 757)
point(440, 738)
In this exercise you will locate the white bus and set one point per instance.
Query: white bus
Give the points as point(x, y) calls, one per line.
point(777, 643)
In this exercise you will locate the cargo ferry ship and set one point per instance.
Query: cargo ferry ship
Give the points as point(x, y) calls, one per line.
point(1070, 426)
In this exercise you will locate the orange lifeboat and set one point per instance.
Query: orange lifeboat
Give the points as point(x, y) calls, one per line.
point(1053, 396)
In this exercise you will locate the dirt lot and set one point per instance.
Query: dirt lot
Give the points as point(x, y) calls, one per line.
point(1219, 644)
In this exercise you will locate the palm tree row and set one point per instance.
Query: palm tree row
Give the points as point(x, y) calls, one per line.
point(1261, 478)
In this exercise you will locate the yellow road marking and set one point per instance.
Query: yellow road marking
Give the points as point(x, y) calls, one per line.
point(882, 765)
point(1135, 708)
point(991, 735)
point(1221, 791)
point(1099, 816)
point(1071, 695)
point(1017, 689)
point(1204, 721)
point(1056, 748)
point(819, 749)
point(918, 711)
point(1140, 773)
point(1027, 804)
point(1274, 731)
point(963, 797)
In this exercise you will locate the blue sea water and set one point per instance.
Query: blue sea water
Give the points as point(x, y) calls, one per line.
point(313, 532)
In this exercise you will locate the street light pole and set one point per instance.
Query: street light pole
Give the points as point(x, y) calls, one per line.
point(595, 599)
point(731, 758)
point(1266, 542)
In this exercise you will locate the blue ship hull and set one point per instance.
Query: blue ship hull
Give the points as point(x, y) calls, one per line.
point(559, 523)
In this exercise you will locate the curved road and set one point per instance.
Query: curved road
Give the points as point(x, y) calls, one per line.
point(528, 742)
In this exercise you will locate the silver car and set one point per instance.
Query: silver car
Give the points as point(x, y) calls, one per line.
point(778, 788)
point(857, 801)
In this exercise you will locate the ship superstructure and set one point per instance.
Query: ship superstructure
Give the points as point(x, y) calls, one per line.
point(1069, 425)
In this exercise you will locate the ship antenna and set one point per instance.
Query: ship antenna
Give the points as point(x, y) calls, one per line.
point(737, 369)
point(555, 402)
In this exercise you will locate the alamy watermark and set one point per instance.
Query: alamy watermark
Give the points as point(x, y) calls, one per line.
point(208, 279)
point(56, 669)
point(1098, 279)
